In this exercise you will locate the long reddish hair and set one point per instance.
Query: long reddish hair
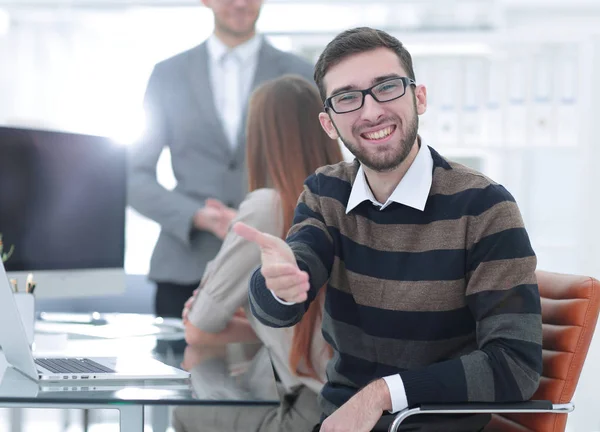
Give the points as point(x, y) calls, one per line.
point(285, 144)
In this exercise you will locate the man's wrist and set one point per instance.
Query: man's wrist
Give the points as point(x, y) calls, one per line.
point(200, 220)
point(282, 301)
point(380, 394)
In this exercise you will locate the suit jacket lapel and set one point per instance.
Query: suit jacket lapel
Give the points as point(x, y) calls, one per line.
point(202, 89)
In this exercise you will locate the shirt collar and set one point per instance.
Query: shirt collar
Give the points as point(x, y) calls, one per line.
point(412, 191)
point(245, 52)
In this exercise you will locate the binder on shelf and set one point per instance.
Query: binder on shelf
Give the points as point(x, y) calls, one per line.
point(516, 109)
point(471, 115)
point(542, 116)
point(493, 113)
point(424, 76)
point(448, 85)
point(567, 107)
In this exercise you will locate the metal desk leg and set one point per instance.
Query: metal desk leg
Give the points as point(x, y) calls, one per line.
point(131, 418)
point(159, 416)
point(86, 420)
point(16, 419)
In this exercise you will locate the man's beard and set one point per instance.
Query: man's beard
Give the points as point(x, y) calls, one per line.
point(392, 156)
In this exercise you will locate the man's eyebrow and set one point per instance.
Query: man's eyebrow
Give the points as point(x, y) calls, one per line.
point(374, 81)
point(384, 78)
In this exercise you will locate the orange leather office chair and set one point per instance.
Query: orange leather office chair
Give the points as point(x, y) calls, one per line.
point(570, 306)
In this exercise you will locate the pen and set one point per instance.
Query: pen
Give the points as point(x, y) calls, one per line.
point(15, 285)
point(29, 283)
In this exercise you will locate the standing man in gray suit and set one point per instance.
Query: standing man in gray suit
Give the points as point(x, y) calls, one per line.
point(196, 105)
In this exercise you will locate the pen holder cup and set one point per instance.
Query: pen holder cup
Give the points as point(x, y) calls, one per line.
point(26, 307)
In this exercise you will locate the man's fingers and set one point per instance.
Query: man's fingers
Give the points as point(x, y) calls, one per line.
point(214, 203)
point(296, 294)
point(281, 269)
point(254, 235)
point(290, 287)
point(287, 280)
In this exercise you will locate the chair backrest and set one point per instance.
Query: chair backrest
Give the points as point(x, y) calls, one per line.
point(570, 306)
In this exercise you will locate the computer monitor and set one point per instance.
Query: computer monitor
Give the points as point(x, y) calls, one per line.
point(62, 211)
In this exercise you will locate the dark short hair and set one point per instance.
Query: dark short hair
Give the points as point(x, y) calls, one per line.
point(354, 41)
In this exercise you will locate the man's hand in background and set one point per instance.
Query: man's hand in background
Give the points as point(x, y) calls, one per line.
point(214, 217)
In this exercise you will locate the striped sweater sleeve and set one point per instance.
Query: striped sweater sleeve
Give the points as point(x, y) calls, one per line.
point(503, 297)
point(313, 247)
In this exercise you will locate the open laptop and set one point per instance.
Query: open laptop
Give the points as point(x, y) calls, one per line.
point(18, 353)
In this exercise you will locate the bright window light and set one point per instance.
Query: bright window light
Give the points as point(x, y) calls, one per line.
point(4, 22)
point(129, 129)
point(448, 49)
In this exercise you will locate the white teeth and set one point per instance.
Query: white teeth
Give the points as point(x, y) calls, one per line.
point(379, 134)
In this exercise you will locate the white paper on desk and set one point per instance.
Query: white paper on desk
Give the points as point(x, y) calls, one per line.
point(51, 342)
point(108, 331)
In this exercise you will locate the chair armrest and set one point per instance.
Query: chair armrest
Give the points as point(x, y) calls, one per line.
point(533, 406)
point(543, 405)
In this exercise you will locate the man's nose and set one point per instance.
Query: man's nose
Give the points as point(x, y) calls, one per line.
point(371, 110)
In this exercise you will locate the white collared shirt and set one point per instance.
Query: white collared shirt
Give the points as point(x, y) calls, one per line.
point(231, 75)
point(412, 190)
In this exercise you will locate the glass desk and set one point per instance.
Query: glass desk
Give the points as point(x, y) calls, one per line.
point(229, 376)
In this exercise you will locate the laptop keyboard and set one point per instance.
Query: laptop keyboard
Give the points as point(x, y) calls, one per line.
point(72, 365)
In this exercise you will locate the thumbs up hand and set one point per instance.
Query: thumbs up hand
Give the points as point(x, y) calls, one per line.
point(279, 267)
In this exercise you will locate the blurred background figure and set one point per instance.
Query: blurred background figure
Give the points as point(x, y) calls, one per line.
point(284, 146)
point(195, 105)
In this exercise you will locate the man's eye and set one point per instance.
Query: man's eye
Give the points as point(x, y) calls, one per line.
point(346, 98)
point(387, 88)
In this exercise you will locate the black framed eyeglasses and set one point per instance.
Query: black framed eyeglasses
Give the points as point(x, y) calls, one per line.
point(384, 91)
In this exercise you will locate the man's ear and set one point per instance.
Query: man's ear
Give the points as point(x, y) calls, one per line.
point(421, 98)
point(327, 125)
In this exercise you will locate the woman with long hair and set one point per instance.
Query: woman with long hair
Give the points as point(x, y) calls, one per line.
point(285, 144)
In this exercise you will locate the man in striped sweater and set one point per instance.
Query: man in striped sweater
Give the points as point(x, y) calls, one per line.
point(431, 291)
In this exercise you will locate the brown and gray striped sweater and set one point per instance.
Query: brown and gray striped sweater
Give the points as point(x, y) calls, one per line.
point(446, 297)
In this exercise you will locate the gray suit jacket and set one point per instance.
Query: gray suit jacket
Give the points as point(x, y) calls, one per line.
point(181, 115)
